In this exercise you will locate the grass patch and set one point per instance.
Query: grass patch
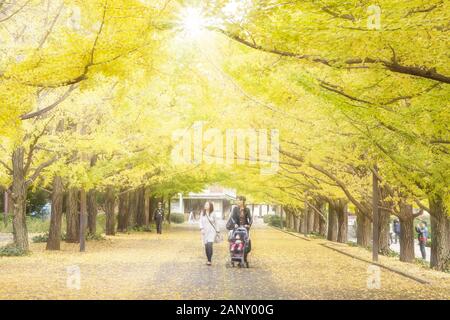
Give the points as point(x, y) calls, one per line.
point(43, 238)
point(34, 224)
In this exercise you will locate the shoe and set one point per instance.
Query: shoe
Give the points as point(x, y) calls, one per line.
point(208, 263)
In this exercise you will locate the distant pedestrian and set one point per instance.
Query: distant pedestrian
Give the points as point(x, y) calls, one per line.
point(422, 233)
point(396, 229)
point(158, 216)
point(191, 217)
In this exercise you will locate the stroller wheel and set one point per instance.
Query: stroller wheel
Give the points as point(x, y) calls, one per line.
point(232, 264)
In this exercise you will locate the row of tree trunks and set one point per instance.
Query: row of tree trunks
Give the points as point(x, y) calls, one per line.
point(54, 235)
point(135, 209)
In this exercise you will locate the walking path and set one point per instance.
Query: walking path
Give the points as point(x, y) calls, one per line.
point(172, 266)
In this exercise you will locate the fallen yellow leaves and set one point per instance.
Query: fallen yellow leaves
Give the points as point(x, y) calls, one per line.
point(172, 266)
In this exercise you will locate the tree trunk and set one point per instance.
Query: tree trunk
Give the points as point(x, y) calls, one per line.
point(83, 219)
point(289, 219)
point(72, 217)
point(296, 223)
point(363, 230)
point(123, 211)
point(303, 223)
point(147, 209)
point(140, 207)
point(440, 234)
point(151, 206)
point(92, 211)
point(342, 221)
point(323, 220)
point(169, 209)
point(18, 197)
point(310, 217)
point(323, 227)
point(109, 212)
point(292, 220)
point(54, 234)
point(132, 209)
point(384, 232)
point(332, 223)
point(406, 233)
point(316, 227)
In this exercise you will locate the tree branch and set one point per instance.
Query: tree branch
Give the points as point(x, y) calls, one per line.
point(15, 12)
point(39, 169)
point(421, 71)
point(50, 107)
point(6, 167)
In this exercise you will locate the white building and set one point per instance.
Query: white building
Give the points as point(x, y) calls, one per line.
point(221, 198)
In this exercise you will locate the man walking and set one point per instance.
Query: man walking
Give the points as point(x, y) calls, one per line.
point(158, 216)
point(422, 232)
point(240, 216)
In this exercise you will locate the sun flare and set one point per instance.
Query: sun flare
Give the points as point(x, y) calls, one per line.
point(193, 22)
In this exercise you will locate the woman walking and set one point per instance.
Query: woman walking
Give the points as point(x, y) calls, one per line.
point(209, 229)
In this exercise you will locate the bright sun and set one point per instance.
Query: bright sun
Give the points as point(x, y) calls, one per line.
point(192, 21)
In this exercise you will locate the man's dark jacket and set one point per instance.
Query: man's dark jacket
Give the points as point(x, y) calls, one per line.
point(234, 218)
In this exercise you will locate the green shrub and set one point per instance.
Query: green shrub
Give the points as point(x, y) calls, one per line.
point(275, 221)
point(177, 217)
point(266, 218)
point(95, 237)
point(141, 228)
point(10, 250)
point(40, 238)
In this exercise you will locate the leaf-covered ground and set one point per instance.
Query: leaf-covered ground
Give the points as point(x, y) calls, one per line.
point(172, 266)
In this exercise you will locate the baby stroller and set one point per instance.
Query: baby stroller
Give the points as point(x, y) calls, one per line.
point(239, 246)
